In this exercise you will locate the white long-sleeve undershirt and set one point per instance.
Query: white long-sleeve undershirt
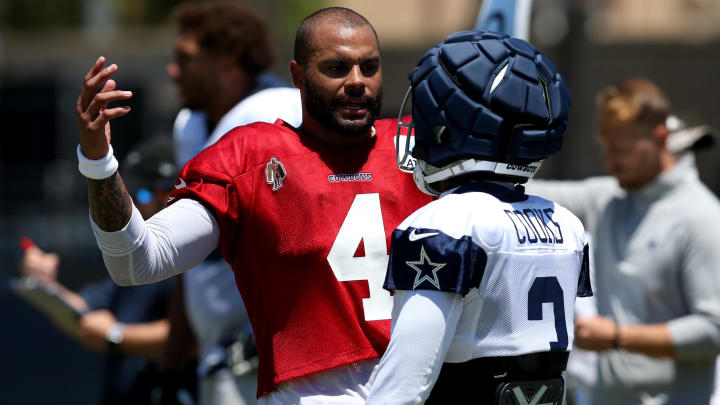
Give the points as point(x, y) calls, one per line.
point(423, 326)
point(174, 240)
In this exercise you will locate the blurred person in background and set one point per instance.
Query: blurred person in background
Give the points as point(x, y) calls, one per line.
point(128, 324)
point(654, 229)
point(303, 215)
point(222, 54)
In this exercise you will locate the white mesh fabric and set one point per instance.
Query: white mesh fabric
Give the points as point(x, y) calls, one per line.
point(495, 319)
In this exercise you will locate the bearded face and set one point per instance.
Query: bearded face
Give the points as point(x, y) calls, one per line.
point(349, 115)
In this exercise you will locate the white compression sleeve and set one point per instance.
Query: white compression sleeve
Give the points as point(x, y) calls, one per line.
point(172, 241)
point(423, 326)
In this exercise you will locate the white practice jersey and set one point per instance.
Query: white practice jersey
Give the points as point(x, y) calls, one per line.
point(190, 131)
point(517, 260)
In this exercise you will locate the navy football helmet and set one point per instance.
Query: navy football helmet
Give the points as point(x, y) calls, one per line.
point(482, 102)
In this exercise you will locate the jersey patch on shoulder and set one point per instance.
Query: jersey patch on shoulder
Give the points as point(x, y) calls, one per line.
point(428, 259)
point(275, 173)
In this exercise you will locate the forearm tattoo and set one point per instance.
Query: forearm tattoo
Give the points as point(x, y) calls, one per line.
point(110, 203)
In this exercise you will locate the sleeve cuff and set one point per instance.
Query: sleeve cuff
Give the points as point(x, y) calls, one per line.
point(124, 241)
point(694, 337)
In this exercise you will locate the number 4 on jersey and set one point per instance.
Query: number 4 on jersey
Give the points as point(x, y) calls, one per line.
point(364, 223)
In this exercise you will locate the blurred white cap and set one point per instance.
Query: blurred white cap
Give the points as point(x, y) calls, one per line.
point(683, 138)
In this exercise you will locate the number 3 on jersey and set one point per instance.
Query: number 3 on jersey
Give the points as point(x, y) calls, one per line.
point(364, 223)
point(548, 290)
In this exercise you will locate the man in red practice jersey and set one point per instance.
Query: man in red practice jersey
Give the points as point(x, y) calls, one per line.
point(303, 215)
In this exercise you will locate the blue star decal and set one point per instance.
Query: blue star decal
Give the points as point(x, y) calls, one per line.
point(426, 270)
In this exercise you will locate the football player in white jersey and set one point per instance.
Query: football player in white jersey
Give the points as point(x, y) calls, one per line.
point(485, 277)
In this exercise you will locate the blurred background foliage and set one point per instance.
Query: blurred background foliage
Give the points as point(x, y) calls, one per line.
point(49, 14)
point(40, 14)
point(24, 15)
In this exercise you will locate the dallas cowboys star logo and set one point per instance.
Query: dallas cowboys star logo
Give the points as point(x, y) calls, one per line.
point(426, 270)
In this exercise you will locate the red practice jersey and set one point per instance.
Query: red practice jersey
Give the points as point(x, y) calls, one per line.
point(306, 227)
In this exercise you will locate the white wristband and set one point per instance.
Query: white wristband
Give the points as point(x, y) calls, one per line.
point(97, 169)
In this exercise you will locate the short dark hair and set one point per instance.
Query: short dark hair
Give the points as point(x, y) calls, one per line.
point(337, 15)
point(231, 28)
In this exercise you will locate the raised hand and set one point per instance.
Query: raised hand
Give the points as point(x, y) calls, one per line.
point(110, 203)
point(92, 112)
point(40, 265)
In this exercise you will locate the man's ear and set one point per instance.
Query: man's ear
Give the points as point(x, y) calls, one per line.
point(660, 134)
point(298, 75)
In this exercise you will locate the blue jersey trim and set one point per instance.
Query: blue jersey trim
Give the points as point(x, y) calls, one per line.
point(584, 288)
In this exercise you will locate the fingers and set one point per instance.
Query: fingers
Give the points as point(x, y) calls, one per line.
point(110, 85)
point(93, 71)
point(93, 79)
point(580, 322)
point(101, 100)
point(92, 110)
point(111, 113)
point(95, 68)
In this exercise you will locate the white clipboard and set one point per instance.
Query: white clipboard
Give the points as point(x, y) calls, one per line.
point(47, 300)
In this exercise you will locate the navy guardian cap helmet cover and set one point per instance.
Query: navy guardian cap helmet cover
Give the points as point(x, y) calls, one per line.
point(482, 98)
